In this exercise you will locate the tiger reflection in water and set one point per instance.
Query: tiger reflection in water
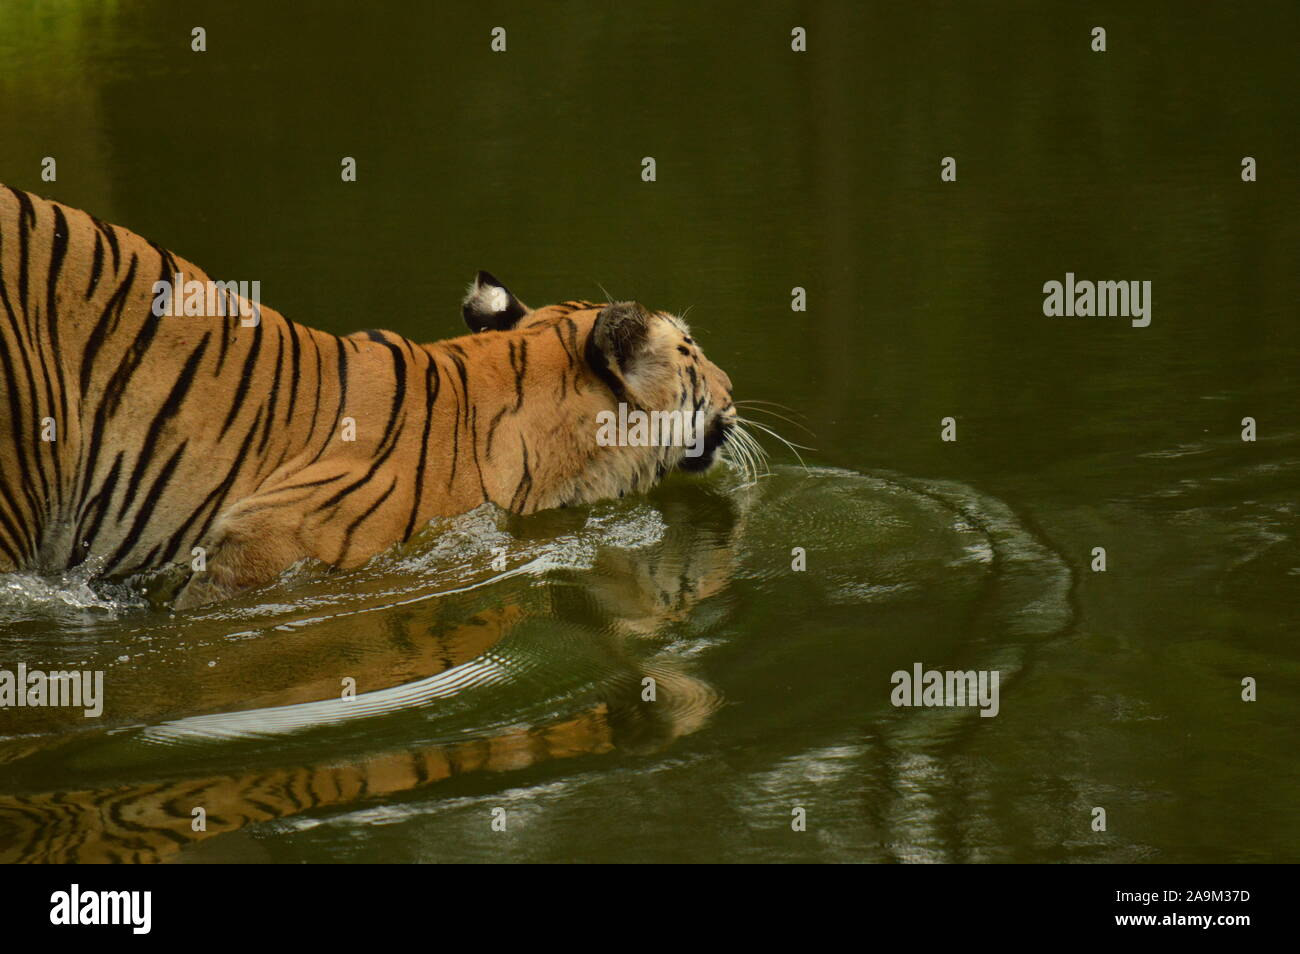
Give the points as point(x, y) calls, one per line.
point(631, 601)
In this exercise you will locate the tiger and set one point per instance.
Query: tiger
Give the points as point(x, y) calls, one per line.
point(134, 439)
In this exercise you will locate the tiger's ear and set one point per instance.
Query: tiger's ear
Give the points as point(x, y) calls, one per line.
point(489, 305)
point(619, 339)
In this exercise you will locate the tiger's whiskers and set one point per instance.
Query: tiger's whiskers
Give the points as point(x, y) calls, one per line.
point(745, 453)
point(746, 405)
point(794, 448)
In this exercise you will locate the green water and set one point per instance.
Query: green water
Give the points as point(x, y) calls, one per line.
point(521, 689)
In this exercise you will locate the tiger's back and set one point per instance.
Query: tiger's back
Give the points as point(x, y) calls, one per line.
point(100, 454)
point(139, 434)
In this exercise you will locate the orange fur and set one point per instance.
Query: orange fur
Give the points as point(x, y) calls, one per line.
point(177, 438)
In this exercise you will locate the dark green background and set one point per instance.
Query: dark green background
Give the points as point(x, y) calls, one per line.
point(821, 170)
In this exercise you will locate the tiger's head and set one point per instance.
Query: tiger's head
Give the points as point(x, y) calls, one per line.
point(624, 394)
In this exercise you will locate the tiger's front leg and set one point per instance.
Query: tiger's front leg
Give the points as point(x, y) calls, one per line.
point(249, 550)
point(338, 518)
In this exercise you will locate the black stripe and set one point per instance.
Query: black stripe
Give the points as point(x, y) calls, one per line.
point(473, 443)
point(26, 222)
point(525, 482)
point(462, 410)
point(463, 373)
point(58, 251)
point(214, 499)
point(600, 367)
point(492, 433)
point(520, 367)
point(26, 225)
point(245, 379)
point(96, 266)
point(19, 557)
point(145, 511)
point(99, 333)
point(275, 397)
point(432, 385)
point(228, 324)
point(455, 439)
point(131, 361)
point(568, 354)
point(347, 534)
point(22, 426)
point(110, 235)
point(99, 505)
point(399, 388)
point(165, 413)
point(320, 482)
point(374, 467)
point(316, 388)
point(343, 397)
point(295, 357)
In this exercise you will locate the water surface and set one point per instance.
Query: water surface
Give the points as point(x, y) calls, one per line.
point(521, 688)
